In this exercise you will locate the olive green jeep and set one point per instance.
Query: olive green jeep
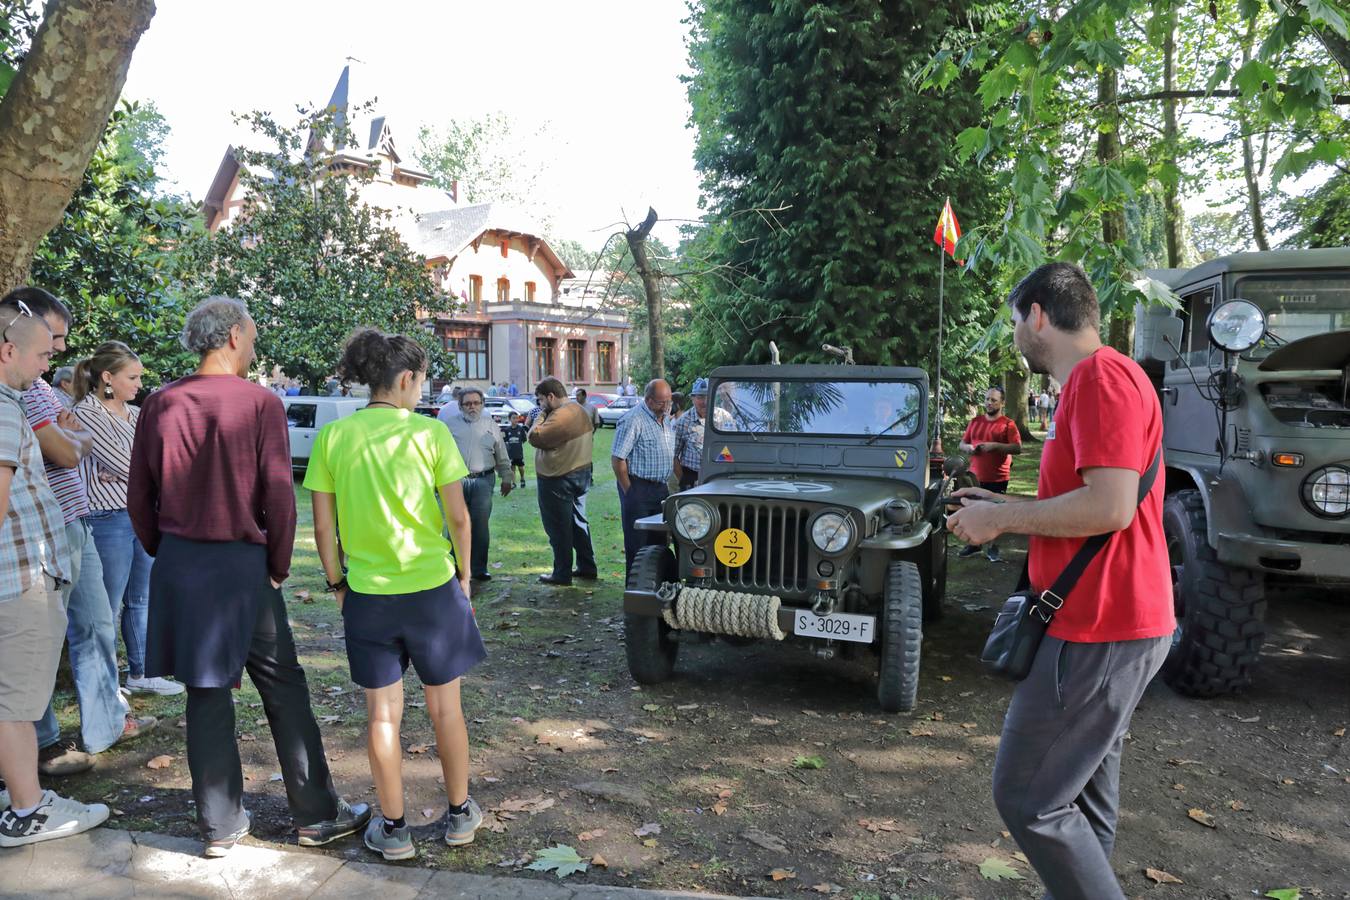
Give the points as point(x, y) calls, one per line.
point(817, 519)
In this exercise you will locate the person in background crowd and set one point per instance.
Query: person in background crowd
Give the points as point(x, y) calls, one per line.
point(1043, 409)
point(63, 380)
point(564, 449)
point(292, 388)
point(590, 410)
point(991, 440)
point(628, 389)
point(689, 430)
point(33, 567)
point(212, 498)
point(450, 406)
point(480, 443)
point(514, 435)
point(404, 598)
point(105, 385)
point(90, 631)
point(493, 390)
point(512, 390)
point(1057, 772)
point(677, 405)
point(643, 459)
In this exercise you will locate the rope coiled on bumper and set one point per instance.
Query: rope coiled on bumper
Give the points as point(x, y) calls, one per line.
point(725, 612)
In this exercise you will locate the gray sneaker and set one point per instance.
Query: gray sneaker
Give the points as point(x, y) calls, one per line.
point(459, 829)
point(394, 845)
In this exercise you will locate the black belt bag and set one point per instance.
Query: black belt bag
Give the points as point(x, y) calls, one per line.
point(1026, 615)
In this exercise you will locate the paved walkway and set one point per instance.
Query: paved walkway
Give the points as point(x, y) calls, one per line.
point(107, 864)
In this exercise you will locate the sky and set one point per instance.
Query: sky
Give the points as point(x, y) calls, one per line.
point(593, 86)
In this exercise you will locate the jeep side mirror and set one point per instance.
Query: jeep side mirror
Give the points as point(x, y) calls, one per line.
point(955, 465)
point(1237, 326)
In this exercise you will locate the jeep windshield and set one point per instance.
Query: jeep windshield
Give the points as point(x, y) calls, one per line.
point(1297, 306)
point(839, 408)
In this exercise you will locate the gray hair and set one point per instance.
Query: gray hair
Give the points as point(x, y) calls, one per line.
point(208, 325)
point(64, 374)
point(464, 392)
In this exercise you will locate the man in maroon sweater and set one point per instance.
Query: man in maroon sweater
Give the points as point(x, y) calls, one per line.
point(211, 498)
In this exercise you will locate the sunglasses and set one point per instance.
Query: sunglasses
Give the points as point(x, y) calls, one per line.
point(23, 311)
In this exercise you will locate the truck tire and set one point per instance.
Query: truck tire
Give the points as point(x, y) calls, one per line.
point(901, 637)
point(1220, 610)
point(934, 572)
point(647, 640)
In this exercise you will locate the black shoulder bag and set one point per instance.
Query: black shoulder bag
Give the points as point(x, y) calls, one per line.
point(1026, 615)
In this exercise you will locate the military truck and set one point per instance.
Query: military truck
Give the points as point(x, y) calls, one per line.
point(815, 520)
point(1253, 374)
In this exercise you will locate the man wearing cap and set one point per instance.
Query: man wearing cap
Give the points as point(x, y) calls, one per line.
point(689, 429)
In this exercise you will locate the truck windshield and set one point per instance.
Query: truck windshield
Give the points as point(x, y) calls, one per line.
point(1297, 306)
point(847, 408)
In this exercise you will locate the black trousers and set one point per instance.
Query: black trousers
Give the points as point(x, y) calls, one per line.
point(644, 498)
point(213, 751)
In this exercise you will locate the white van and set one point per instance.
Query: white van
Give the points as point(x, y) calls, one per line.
point(306, 415)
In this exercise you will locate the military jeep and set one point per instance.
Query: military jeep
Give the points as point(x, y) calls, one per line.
point(815, 519)
point(1253, 373)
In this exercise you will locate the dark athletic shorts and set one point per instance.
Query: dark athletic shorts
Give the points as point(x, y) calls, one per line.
point(997, 487)
point(433, 629)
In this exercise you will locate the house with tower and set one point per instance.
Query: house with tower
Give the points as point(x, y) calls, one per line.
point(515, 312)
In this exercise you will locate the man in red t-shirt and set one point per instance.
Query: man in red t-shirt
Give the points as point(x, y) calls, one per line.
point(991, 440)
point(1057, 774)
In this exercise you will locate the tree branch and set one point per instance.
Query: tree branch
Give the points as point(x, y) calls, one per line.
point(1336, 100)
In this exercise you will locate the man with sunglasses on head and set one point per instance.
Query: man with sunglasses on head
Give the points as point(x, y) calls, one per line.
point(34, 564)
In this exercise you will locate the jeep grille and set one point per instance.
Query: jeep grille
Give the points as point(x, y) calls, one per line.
point(779, 554)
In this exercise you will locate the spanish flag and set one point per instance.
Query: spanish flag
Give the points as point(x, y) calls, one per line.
point(948, 231)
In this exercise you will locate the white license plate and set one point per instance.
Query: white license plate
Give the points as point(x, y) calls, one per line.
point(836, 626)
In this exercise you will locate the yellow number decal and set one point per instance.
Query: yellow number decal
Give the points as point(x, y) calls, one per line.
point(733, 548)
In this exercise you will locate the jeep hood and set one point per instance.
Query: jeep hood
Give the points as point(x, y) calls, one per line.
point(860, 493)
point(1317, 351)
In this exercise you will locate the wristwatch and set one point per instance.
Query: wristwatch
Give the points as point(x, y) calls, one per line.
point(333, 588)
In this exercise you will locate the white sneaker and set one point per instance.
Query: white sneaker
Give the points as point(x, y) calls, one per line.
point(56, 817)
point(162, 686)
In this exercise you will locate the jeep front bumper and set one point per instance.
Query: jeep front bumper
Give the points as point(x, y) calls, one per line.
point(1265, 554)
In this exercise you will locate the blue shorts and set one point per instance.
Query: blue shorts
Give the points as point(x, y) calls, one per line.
point(434, 630)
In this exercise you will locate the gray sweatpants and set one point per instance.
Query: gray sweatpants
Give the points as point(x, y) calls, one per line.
point(1057, 775)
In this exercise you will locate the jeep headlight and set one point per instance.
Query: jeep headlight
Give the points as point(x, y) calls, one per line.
point(1326, 492)
point(832, 532)
point(693, 520)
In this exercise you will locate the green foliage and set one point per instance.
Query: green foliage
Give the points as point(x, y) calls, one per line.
point(995, 869)
point(117, 256)
point(1321, 218)
point(808, 762)
point(824, 170)
point(561, 859)
point(312, 259)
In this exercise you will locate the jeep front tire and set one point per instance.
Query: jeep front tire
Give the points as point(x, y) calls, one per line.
point(1220, 610)
point(647, 640)
point(901, 637)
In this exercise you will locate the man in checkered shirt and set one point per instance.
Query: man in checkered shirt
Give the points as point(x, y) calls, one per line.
point(643, 459)
point(689, 429)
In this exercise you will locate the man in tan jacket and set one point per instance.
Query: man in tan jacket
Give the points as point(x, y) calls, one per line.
point(563, 439)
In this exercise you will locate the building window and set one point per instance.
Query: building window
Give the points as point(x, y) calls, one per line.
point(506, 248)
point(476, 292)
point(604, 362)
point(470, 353)
point(529, 292)
point(503, 290)
point(576, 361)
point(543, 356)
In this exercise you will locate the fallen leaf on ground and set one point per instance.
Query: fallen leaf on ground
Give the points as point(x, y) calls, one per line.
point(782, 874)
point(598, 860)
point(1285, 894)
point(686, 707)
point(1238, 806)
point(826, 888)
point(248, 738)
point(945, 677)
point(724, 794)
point(808, 762)
point(591, 835)
point(260, 723)
point(329, 720)
point(647, 829)
point(649, 842)
point(1158, 876)
point(418, 748)
point(995, 869)
point(1204, 818)
point(561, 859)
point(875, 825)
point(719, 808)
point(304, 597)
point(532, 805)
point(160, 762)
point(921, 731)
point(1339, 732)
point(651, 707)
point(494, 823)
point(760, 720)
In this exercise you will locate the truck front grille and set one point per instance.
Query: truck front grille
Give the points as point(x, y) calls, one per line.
point(779, 553)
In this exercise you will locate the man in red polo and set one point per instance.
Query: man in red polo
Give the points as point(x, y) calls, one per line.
point(991, 440)
point(1057, 774)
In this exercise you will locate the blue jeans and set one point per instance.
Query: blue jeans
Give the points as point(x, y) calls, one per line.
point(562, 508)
point(92, 641)
point(644, 498)
point(126, 576)
point(478, 497)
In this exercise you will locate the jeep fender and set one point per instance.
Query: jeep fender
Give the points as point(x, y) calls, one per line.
point(1225, 502)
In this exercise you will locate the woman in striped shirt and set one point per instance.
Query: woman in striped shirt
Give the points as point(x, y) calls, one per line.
point(104, 386)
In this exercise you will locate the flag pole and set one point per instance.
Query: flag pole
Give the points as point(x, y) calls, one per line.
point(942, 272)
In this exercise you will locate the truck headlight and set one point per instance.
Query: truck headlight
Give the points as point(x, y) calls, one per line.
point(693, 520)
point(832, 532)
point(1326, 492)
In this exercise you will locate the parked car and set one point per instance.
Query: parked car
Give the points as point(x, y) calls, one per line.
point(615, 410)
point(306, 415)
point(501, 408)
point(600, 401)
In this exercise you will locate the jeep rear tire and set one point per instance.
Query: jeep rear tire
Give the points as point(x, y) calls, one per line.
point(901, 637)
point(1220, 609)
point(647, 640)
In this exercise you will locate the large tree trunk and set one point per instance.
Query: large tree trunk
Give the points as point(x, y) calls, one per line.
point(1113, 221)
point(651, 286)
point(1171, 203)
point(1015, 399)
point(54, 113)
